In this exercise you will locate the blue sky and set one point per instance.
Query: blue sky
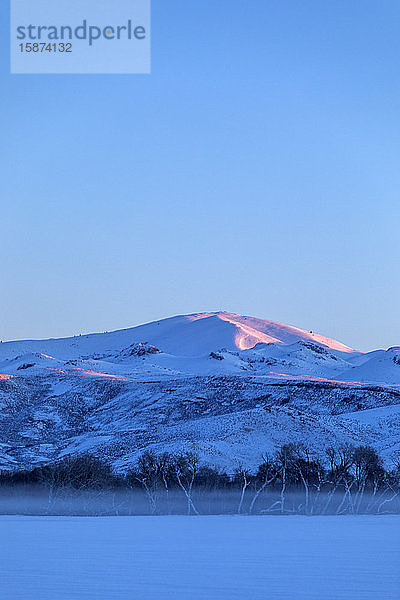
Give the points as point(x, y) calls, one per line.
point(256, 170)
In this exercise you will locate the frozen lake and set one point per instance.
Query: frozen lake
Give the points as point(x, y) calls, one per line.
point(210, 557)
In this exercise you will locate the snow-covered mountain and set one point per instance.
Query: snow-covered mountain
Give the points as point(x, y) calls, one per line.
point(231, 386)
point(184, 335)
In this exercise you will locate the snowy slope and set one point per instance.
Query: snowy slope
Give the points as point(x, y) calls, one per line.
point(228, 386)
point(250, 331)
point(382, 367)
point(184, 335)
point(197, 344)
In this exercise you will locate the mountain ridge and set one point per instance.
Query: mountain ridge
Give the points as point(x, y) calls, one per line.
point(246, 331)
point(220, 384)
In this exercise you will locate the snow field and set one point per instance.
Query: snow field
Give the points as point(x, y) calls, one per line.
point(200, 558)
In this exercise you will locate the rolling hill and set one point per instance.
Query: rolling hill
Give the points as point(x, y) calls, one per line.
point(227, 385)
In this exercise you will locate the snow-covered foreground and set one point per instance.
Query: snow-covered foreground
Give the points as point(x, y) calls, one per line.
point(218, 557)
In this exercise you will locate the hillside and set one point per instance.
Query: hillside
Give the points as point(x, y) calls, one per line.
point(226, 385)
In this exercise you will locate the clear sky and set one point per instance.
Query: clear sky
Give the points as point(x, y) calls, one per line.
point(256, 170)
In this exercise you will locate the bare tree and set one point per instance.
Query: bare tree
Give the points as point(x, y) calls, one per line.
point(185, 467)
point(282, 461)
point(346, 497)
point(341, 461)
point(147, 474)
point(267, 474)
point(367, 469)
point(244, 478)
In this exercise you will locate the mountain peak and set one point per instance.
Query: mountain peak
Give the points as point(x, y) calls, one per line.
point(253, 330)
point(195, 334)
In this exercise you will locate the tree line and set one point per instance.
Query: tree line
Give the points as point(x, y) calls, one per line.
point(292, 480)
